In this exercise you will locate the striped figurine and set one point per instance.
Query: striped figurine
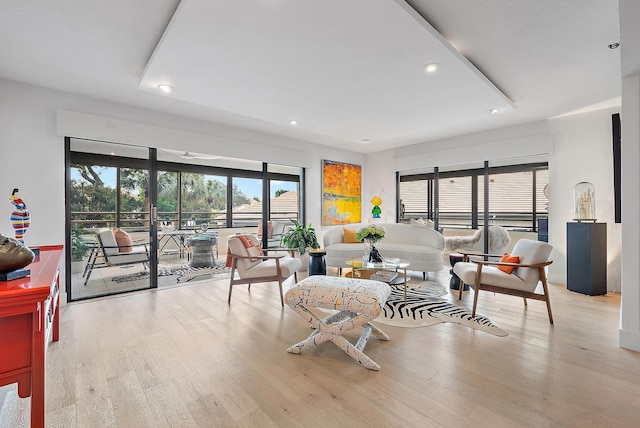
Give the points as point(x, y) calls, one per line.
point(20, 218)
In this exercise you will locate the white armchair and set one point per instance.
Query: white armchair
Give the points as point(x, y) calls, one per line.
point(485, 275)
point(245, 258)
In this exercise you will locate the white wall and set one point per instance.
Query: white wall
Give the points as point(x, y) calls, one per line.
point(630, 306)
point(510, 142)
point(629, 334)
point(33, 161)
point(583, 152)
point(379, 174)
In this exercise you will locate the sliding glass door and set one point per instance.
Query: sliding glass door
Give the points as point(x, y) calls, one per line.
point(137, 217)
point(284, 206)
point(110, 221)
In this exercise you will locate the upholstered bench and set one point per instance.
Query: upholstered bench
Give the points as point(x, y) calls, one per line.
point(358, 301)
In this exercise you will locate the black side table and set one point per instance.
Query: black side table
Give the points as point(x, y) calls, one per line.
point(317, 264)
point(454, 282)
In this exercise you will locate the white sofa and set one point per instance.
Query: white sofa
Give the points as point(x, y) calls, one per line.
point(421, 246)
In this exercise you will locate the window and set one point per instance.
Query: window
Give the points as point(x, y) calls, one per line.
point(516, 196)
point(106, 196)
point(107, 192)
point(455, 200)
point(203, 200)
point(414, 197)
point(168, 196)
point(93, 195)
point(247, 202)
point(134, 199)
point(510, 199)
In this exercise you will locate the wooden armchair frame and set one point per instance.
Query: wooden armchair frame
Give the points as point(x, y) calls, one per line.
point(480, 285)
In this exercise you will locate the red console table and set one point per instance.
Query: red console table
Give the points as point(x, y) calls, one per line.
point(28, 317)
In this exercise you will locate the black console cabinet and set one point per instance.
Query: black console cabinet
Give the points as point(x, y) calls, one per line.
point(587, 258)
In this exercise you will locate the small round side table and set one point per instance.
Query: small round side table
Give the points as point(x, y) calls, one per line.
point(202, 247)
point(317, 264)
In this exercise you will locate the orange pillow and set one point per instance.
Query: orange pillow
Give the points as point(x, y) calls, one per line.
point(509, 259)
point(124, 241)
point(349, 236)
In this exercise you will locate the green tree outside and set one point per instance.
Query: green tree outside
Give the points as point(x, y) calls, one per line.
point(203, 196)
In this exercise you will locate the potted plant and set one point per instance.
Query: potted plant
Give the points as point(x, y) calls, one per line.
point(301, 237)
point(79, 249)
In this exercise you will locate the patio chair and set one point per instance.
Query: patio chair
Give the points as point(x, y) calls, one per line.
point(275, 231)
point(111, 254)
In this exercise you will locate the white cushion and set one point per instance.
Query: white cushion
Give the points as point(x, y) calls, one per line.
point(108, 239)
point(404, 251)
point(359, 295)
point(288, 266)
point(138, 253)
point(491, 275)
point(347, 251)
point(531, 252)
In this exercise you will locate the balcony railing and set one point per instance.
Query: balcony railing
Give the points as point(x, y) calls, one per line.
point(511, 220)
point(139, 221)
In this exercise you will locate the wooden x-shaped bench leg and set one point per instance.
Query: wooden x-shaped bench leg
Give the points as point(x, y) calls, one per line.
point(331, 328)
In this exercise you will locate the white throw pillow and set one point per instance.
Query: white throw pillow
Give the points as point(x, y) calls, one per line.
point(420, 222)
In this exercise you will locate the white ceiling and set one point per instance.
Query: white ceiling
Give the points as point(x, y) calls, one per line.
point(346, 70)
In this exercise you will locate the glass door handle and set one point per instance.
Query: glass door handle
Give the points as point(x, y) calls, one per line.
point(154, 214)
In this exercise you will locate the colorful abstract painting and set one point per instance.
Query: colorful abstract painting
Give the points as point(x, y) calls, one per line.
point(341, 193)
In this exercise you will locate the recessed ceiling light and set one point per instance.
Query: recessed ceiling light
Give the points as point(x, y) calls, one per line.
point(494, 110)
point(431, 68)
point(165, 88)
point(365, 140)
point(293, 122)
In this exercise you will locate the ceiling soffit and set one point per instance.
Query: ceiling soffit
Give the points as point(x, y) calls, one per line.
point(340, 70)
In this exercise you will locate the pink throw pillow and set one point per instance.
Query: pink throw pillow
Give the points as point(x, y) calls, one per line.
point(124, 241)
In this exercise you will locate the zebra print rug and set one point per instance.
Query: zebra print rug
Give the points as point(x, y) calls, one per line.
point(182, 272)
point(423, 309)
point(186, 273)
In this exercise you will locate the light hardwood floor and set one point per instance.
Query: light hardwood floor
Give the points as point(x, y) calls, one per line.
point(181, 357)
